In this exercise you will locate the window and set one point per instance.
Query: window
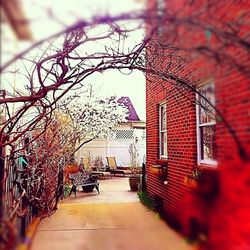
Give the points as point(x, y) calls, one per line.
point(162, 131)
point(206, 125)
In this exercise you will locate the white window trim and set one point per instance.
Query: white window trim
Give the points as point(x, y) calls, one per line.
point(205, 124)
point(211, 163)
point(165, 156)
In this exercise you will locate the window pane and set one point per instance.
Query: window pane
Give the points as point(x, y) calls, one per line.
point(163, 143)
point(208, 146)
point(163, 118)
point(207, 113)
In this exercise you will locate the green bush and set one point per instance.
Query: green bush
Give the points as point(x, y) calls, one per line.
point(146, 200)
point(66, 190)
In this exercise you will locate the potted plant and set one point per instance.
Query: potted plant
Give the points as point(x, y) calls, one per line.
point(203, 183)
point(192, 179)
point(135, 177)
point(159, 170)
point(98, 163)
point(155, 169)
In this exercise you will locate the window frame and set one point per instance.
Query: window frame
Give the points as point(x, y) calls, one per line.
point(160, 131)
point(200, 161)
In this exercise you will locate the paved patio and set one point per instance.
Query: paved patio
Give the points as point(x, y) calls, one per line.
point(112, 220)
point(111, 190)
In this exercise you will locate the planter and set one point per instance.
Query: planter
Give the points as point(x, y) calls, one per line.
point(155, 169)
point(160, 171)
point(205, 187)
point(134, 182)
point(88, 188)
point(190, 183)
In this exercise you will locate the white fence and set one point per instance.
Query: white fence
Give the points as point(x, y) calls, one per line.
point(115, 146)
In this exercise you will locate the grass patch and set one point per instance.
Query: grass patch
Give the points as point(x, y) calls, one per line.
point(146, 200)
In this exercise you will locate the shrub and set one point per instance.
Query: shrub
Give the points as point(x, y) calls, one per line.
point(66, 190)
point(146, 200)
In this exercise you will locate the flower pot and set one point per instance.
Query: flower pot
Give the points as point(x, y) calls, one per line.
point(134, 182)
point(155, 170)
point(160, 171)
point(88, 189)
point(190, 182)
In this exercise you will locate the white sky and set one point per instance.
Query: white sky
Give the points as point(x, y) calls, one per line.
point(66, 12)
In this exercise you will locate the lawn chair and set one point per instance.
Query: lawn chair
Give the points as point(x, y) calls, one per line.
point(114, 169)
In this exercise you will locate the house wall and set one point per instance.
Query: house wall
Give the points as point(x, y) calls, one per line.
point(182, 152)
point(225, 216)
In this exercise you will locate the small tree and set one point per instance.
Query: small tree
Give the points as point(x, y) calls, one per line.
point(134, 155)
point(92, 116)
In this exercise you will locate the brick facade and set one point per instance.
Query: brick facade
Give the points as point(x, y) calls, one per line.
point(223, 216)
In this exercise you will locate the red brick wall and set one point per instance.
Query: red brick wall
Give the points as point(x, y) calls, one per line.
point(227, 216)
point(181, 140)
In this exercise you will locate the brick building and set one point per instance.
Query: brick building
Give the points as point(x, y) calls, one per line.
point(185, 136)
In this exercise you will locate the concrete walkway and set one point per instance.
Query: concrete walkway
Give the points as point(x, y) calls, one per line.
point(113, 220)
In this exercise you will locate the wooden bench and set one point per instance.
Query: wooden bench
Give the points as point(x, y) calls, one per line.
point(85, 180)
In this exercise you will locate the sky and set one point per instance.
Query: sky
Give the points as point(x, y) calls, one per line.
point(48, 17)
point(113, 82)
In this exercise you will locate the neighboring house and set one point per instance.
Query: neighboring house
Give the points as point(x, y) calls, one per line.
point(117, 142)
point(181, 136)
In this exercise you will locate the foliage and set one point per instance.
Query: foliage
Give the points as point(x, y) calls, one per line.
point(40, 166)
point(193, 178)
point(146, 200)
point(195, 174)
point(98, 161)
point(92, 116)
point(66, 190)
point(134, 155)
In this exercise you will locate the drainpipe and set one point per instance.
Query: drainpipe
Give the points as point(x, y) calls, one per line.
point(1, 181)
point(143, 182)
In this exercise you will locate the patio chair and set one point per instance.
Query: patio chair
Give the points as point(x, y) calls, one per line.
point(101, 173)
point(114, 169)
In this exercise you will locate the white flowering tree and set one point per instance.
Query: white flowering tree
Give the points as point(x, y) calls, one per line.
point(93, 116)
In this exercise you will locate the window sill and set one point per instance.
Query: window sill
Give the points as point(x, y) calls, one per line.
point(208, 163)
